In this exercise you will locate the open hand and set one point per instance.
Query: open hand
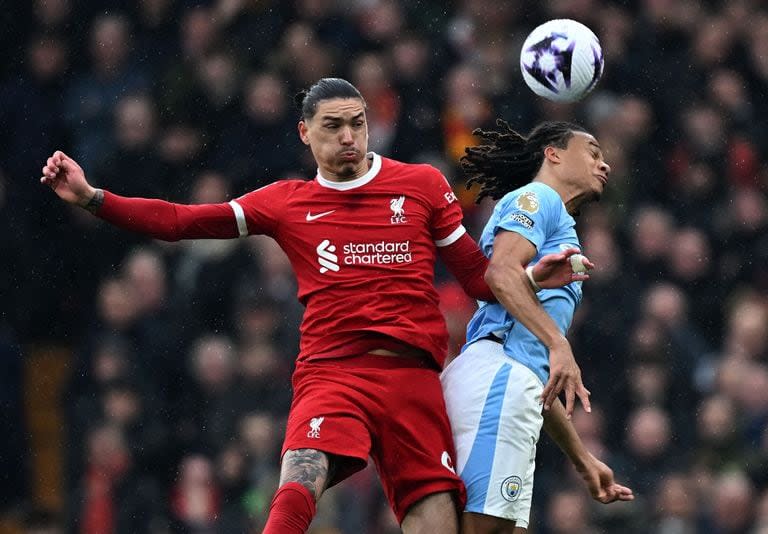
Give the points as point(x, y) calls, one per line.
point(555, 270)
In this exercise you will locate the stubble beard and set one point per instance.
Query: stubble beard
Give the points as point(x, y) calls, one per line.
point(347, 170)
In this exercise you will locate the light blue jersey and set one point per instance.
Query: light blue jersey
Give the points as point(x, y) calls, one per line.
point(536, 212)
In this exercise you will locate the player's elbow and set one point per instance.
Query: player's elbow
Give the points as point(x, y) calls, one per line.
point(502, 277)
point(494, 277)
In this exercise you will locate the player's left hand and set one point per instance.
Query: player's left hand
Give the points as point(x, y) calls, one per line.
point(555, 270)
point(602, 486)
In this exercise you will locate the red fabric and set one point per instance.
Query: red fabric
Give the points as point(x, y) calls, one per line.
point(291, 511)
point(468, 264)
point(377, 270)
point(168, 221)
point(363, 256)
point(98, 509)
point(390, 410)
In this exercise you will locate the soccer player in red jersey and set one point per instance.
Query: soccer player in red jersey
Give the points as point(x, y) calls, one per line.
point(362, 238)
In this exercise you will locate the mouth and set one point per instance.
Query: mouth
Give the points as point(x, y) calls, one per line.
point(603, 179)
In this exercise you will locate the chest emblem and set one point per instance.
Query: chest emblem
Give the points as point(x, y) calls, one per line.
point(398, 212)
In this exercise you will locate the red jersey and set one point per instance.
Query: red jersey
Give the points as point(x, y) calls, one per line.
point(363, 252)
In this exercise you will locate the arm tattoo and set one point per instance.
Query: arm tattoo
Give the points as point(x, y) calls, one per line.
point(308, 467)
point(96, 201)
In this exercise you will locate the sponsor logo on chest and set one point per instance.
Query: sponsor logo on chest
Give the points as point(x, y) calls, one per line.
point(331, 255)
point(366, 253)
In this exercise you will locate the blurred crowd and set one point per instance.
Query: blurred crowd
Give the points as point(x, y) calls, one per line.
point(179, 382)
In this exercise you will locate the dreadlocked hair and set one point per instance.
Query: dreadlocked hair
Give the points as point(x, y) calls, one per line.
point(506, 160)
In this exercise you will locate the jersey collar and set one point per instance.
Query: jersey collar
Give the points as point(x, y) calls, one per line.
point(357, 182)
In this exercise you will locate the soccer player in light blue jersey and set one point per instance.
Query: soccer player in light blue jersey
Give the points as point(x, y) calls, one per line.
point(516, 352)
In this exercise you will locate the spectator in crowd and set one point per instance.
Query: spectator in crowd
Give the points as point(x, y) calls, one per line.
point(195, 496)
point(112, 496)
point(675, 506)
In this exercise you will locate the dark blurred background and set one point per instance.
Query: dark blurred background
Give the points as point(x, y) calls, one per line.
point(145, 384)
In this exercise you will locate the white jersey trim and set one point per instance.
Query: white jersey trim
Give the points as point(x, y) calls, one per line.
point(242, 228)
point(357, 182)
point(452, 237)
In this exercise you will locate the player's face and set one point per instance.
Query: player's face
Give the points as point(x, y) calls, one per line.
point(584, 165)
point(338, 137)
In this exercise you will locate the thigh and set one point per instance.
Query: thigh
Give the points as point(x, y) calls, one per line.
point(413, 448)
point(329, 413)
point(430, 515)
point(492, 401)
point(472, 523)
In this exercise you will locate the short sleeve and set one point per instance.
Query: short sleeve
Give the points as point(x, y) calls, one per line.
point(447, 216)
point(530, 212)
point(258, 212)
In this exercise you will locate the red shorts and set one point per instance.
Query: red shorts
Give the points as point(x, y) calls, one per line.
point(388, 408)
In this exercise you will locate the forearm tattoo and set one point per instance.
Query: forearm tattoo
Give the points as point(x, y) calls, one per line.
point(308, 467)
point(96, 201)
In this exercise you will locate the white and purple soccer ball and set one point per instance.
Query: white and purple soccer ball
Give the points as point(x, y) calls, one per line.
point(561, 60)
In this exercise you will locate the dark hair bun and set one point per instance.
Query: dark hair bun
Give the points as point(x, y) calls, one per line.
point(298, 99)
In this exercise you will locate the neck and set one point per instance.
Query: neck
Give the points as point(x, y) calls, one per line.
point(569, 194)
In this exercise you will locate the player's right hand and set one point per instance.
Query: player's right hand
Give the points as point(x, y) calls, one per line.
point(67, 179)
point(600, 482)
point(555, 270)
point(564, 375)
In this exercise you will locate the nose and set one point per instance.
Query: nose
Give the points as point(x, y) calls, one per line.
point(346, 136)
point(605, 167)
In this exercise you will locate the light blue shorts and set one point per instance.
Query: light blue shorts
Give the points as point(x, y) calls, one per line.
point(495, 412)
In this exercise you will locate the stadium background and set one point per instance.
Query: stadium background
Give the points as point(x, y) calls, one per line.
point(145, 384)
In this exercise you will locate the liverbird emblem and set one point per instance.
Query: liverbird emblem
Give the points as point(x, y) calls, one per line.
point(398, 213)
point(314, 427)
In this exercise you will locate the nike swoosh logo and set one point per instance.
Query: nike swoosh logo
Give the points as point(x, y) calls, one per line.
point(311, 217)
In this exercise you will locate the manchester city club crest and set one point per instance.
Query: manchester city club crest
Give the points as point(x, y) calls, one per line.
point(511, 488)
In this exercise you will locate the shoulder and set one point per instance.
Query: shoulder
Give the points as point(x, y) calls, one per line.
point(274, 193)
point(532, 198)
point(423, 170)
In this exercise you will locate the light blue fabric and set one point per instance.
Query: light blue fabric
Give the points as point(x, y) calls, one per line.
point(477, 471)
point(537, 213)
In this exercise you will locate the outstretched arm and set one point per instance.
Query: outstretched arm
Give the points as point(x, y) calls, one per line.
point(156, 218)
point(596, 475)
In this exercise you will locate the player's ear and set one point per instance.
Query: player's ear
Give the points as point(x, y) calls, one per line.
point(303, 132)
point(551, 154)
